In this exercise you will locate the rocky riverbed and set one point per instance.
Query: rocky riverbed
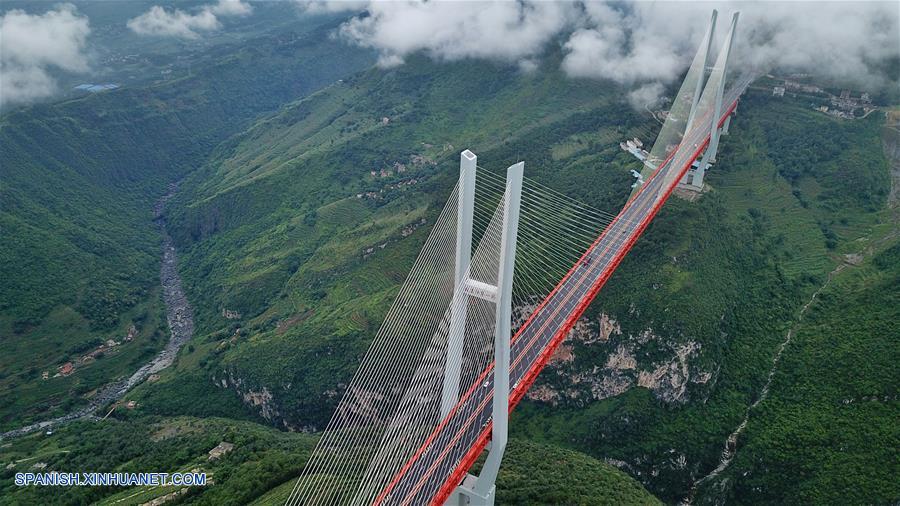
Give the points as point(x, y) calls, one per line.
point(181, 329)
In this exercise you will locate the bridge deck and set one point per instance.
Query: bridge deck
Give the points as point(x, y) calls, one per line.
point(439, 465)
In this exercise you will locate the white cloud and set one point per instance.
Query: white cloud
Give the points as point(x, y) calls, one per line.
point(620, 43)
point(635, 43)
point(320, 6)
point(646, 95)
point(455, 30)
point(608, 53)
point(33, 44)
point(839, 39)
point(231, 8)
point(176, 23)
point(654, 41)
point(186, 25)
point(528, 66)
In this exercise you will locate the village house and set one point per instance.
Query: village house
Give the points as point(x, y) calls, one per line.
point(221, 449)
point(230, 314)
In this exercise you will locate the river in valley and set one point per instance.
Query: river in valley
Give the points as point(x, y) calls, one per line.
point(181, 329)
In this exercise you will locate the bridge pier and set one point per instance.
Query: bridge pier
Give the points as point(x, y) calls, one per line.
point(728, 122)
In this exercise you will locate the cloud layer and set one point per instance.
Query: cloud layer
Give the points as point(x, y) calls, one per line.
point(640, 44)
point(452, 30)
point(33, 45)
point(186, 25)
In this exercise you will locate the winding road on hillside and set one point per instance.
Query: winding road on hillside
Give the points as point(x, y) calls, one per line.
point(181, 328)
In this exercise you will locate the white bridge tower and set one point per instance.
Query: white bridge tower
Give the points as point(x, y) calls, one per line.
point(693, 178)
point(479, 491)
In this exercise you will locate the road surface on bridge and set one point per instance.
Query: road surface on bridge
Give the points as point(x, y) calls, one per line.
point(438, 466)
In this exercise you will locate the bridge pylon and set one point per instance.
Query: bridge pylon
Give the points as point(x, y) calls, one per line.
point(704, 57)
point(479, 491)
point(468, 166)
point(693, 178)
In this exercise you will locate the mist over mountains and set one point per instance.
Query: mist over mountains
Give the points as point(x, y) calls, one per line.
point(643, 45)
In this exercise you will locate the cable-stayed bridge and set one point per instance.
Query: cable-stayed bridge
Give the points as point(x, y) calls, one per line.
point(472, 328)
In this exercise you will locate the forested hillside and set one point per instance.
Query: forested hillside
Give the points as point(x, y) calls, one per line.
point(262, 461)
point(700, 329)
point(289, 233)
point(826, 433)
point(80, 179)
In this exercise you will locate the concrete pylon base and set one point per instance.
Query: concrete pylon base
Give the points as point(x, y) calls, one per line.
point(688, 182)
point(465, 494)
point(692, 188)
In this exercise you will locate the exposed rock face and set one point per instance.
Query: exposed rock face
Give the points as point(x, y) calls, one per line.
point(600, 331)
point(265, 399)
point(668, 378)
point(261, 399)
point(562, 355)
point(544, 393)
point(608, 327)
point(611, 384)
point(596, 361)
point(621, 359)
point(230, 314)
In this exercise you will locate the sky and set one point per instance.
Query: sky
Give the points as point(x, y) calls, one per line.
point(642, 45)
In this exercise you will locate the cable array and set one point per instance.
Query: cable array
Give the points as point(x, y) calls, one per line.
point(373, 395)
point(393, 403)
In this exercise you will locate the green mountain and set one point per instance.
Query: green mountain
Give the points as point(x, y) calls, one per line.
point(288, 227)
point(535, 473)
point(721, 281)
point(79, 182)
point(744, 258)
point(826, 431)
point(279, 225)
